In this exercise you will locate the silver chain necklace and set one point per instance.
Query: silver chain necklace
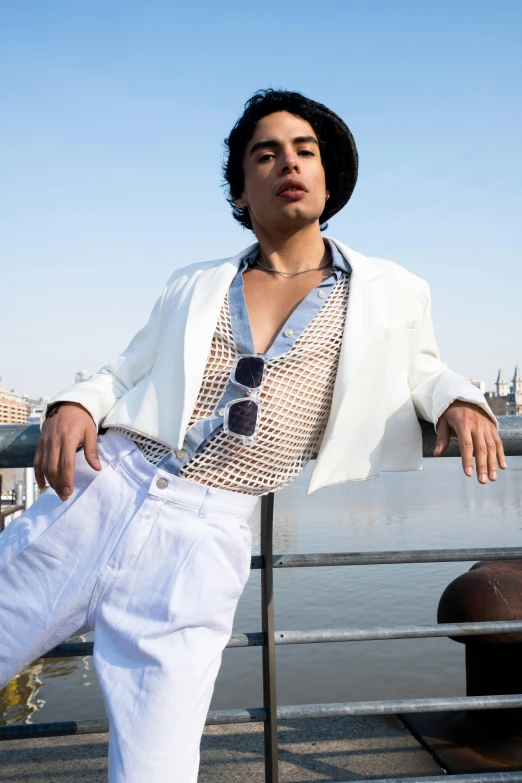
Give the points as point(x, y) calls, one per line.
point(291, 274)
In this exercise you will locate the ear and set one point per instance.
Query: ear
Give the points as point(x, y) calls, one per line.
point(327, 195)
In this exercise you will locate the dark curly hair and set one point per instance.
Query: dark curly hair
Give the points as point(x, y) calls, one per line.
point(336, 146)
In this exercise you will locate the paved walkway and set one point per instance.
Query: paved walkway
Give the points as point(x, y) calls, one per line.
point(311, 749)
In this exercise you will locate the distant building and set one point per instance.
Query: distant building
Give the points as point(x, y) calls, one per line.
point(13, 407)
point(501, 385)
point(508, 399)
point(35, 415)
point(480, 385)
point(35, 408)
point(497, 404)
point(81, 375)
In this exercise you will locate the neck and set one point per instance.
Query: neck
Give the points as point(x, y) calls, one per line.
point(293, 253)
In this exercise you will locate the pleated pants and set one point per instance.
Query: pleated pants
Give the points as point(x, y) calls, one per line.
point(152, 563)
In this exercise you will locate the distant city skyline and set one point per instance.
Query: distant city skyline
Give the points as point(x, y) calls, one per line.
point(83, 374)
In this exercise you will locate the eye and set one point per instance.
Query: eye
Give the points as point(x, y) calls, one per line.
point(265, 157)
point(306, 152)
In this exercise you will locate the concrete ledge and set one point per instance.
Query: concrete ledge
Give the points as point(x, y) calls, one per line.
point(312, 749)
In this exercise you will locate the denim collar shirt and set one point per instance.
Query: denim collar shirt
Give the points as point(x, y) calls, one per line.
point(198, 435)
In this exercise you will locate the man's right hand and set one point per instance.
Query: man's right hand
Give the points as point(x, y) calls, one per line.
point(62, 433)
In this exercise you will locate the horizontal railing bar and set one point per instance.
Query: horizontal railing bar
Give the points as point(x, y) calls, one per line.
point(390, 557)
point(399, 706)
point(18, 442)
point(58, 729)
point(66, 728)
point(72, 649)
point(252, 639)
point(395, 632)
point(258, 714)
point(255, 639)
point(481, 777)
point(221, 717)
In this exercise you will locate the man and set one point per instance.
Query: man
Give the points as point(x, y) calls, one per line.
point(246, 369)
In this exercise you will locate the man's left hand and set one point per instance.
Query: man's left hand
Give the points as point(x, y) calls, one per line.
point(477, 436)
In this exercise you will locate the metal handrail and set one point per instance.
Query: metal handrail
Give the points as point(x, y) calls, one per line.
point(287, 712)
point(314, 636)
point(18, 444)
point(390, 557)
point(9, 510)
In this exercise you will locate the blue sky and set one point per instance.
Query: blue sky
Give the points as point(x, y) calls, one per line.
point(113, 116)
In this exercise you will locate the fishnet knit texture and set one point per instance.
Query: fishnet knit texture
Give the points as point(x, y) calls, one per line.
point(295, 405)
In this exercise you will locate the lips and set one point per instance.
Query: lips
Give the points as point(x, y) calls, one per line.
point(291, 188)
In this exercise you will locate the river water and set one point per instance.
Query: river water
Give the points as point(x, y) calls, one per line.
point(435, 508)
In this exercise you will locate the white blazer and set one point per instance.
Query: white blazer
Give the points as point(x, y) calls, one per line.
point(389, 370)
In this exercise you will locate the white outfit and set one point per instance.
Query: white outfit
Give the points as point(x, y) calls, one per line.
point(135, 554)
point(295, 402)
point(155, 563)
point(389, 370)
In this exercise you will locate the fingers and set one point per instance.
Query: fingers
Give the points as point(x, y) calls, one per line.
point(90, 448)
point(501, 457)
point(64, 482)
point(38, 473)
point(478, 437)
point(55, 460)
point(492, 457)
point(443, 437)
point(486, 447)
point(51, 465)
point(466, 451)
point(481, 457)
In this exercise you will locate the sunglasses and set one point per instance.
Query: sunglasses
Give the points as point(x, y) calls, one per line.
point(241, 417)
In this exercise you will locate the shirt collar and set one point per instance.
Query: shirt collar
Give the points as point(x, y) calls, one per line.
point(339, 262)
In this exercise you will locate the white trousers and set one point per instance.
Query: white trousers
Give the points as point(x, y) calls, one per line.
point(154, 564)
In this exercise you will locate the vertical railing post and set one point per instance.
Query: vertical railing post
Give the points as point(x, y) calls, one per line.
point(29, 487)
point(267, 624)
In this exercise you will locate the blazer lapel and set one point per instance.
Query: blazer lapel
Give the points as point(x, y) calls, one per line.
point(208, 294)
point(359, 359)
point(364, 314)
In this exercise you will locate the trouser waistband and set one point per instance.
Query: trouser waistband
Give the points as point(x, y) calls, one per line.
point(167, 486)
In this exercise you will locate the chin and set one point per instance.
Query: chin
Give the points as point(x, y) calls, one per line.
point(293, 215)
point(290, 219)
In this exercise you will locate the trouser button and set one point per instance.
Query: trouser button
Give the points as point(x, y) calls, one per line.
point(162, 483)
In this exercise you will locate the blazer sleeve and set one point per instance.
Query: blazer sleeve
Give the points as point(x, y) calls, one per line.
point(433, 386)
point(101, 392)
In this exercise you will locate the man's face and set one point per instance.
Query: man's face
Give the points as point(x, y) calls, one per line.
point(285, 183)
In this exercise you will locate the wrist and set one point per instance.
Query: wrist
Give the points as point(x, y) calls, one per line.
point(55, 407)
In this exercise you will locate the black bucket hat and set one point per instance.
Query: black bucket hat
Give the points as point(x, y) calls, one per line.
point(338, 151)
point(341, 159)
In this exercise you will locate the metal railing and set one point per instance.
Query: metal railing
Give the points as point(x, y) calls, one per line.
point(17, 447)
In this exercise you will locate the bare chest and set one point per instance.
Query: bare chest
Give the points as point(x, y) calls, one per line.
point(270, 301)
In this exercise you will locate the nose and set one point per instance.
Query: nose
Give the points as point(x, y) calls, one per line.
point(289, 162)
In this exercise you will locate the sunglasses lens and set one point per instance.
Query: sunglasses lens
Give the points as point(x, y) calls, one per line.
point(249, 371)
point(242, 417)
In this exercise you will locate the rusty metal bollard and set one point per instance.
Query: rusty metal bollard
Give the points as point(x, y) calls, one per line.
point(471, 741)
point(489, 591)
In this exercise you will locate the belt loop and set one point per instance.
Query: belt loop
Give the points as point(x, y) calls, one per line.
point(208, 494)
point(120, 457)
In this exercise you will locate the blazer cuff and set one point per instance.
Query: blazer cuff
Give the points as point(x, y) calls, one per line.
point(466, 393)
point(97, 395)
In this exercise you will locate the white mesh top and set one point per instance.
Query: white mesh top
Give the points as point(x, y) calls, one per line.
point(295, 405)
